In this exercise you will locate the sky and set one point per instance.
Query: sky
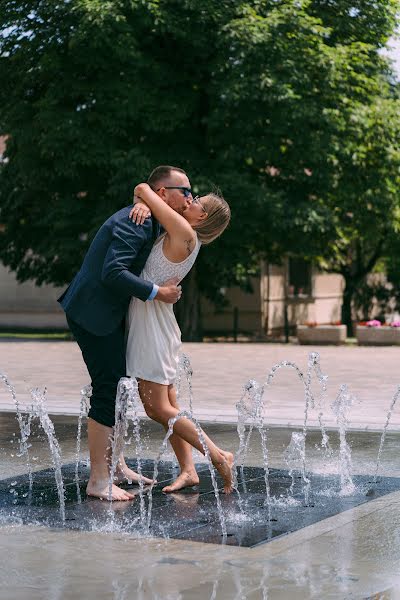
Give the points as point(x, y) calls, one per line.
point(394, 53)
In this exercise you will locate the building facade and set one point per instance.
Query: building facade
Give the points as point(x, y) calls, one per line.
point(27, 306)
point(283, 296)
point(301, 292)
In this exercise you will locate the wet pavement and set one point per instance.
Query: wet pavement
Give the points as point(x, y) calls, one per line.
point(353, 554)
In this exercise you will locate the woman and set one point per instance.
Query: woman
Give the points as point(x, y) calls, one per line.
point(154, 338)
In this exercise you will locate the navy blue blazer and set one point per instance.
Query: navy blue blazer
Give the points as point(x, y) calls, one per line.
point(99, 295)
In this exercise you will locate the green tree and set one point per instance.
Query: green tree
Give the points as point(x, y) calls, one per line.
point(93, 96)
point(245, 95)
point(365, 203)
point(312, 102)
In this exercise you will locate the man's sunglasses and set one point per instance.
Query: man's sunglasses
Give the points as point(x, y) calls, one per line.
point(186, 190)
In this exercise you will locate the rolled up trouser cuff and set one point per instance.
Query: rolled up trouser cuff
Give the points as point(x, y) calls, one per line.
point(101, 413)
point(104, 357)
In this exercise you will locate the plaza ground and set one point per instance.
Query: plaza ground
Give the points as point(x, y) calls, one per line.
point(354, 555)
point(220, 372)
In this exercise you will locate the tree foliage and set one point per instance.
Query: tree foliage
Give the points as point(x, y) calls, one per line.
point(286, 105)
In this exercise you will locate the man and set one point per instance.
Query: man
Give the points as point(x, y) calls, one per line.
point(96, 303)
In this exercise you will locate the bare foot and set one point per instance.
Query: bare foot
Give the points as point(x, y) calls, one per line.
point(101, 489)
point(184, 480)
point(225, 470)
point(126, 475)
point(227, 455)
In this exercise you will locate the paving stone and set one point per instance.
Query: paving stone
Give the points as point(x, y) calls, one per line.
point(220, 371)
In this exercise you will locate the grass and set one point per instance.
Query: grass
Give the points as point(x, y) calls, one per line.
point(36, 335)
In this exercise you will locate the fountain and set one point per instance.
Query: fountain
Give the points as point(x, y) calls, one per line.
point(38, 410)
point(185, 371)
point(24, 427)
point(267, 502)
point(385, 428)
point(86, 393)
point(294, 454)
point(340, 407)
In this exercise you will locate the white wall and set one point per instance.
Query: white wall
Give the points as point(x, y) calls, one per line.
point(27, 305)
point(323, 306)
point(249, 307)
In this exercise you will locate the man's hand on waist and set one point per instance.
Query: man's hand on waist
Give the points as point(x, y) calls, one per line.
point(170, 292)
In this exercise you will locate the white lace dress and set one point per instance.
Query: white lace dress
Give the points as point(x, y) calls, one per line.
point(154, 338)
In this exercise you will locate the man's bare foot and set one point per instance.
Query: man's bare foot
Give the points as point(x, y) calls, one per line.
point(126, 475)
point(184, 480)
point(101, 490)
point(225, 470)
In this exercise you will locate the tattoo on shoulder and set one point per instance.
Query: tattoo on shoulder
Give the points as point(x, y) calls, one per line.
point(189, 244)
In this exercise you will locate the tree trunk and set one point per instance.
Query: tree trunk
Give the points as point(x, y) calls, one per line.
point(187, 310)
point(347, 302)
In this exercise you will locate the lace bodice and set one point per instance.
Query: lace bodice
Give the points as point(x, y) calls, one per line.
point(159, 269)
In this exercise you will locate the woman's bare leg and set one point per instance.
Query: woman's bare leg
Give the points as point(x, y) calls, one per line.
point(183, 451)
point(158, 407)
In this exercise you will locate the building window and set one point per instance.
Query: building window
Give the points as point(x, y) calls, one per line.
point(299, 278)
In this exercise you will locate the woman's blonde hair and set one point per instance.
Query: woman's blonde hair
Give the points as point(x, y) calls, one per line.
point(217, 220)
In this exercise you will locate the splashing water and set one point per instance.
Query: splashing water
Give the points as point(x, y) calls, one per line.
point(310, 401)
point(39, 410)
point(392, 404)
point(25, 430)
point(120, 431)
point(307, 392)
point(256, 412)
point(251, 406)
point(134, 404)
point(340, 407)
point(282, 365)
point(246, 410)
point(294, 454)
point(86, 394)
point(259, 424)
point(184, 368)
point(250, 414)
point(314, 364)
point(171, 423)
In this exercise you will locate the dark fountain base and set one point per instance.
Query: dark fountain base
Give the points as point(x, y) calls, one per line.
point(190, 514)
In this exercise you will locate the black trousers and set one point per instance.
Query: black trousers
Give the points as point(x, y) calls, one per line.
point(104, 357)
